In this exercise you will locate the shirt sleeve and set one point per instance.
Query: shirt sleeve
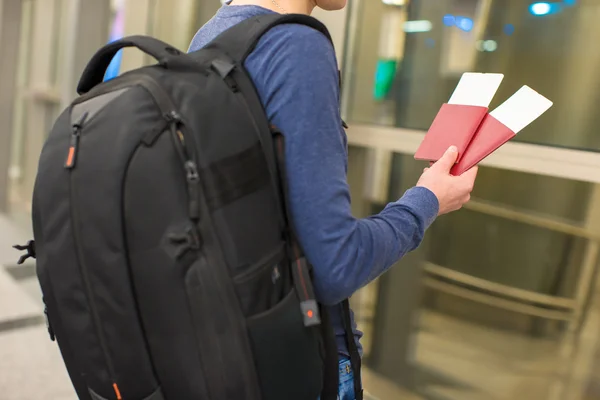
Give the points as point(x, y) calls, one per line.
point(295, 71)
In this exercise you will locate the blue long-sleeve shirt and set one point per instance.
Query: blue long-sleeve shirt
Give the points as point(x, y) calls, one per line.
point(294, 69)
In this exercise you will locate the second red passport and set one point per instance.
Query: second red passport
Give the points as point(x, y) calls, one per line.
point(491, 135)
point(454, 125)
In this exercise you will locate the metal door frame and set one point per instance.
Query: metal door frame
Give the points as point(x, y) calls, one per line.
point(10, 29)
point(579, 343)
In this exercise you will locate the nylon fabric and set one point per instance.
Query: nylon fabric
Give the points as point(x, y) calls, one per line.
point(163, 252)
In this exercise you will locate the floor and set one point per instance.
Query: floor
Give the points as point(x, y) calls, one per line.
point(30, 364)
point(490, 364)
point(486, 363)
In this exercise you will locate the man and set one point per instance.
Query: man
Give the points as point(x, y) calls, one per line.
point(294, 69)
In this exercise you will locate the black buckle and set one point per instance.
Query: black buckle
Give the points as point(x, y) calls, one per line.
point(30, 247)
point(222, 67)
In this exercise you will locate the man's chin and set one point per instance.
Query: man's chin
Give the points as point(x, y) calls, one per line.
point(331, 5)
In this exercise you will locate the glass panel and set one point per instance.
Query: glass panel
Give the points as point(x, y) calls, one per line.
point(407, 58)
point(46, 55)
point(36, 103)
point(17, 195)
point(499, 300)
point(175, 21)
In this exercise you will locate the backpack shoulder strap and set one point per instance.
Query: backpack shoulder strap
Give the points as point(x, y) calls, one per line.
point(240, 40)
point(355, 360)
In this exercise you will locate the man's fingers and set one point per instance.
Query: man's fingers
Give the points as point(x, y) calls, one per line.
point(447, 160)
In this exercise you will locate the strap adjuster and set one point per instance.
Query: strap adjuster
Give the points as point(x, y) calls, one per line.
point(310, 312)
point(29, 247)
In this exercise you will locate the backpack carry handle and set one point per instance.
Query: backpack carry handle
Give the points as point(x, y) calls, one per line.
point(166, 55)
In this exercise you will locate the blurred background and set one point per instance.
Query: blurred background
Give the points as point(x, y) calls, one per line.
point(501, 302)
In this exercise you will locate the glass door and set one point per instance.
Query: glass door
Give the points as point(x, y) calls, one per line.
point(501, 300)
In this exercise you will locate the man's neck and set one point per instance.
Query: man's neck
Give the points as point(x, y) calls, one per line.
point(281, 6)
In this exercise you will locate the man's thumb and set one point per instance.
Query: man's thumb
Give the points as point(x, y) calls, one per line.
point(447, 160)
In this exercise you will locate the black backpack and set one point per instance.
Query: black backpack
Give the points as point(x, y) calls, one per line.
point(164, 250)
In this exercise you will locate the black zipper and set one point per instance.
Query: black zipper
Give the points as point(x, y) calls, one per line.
point(177, 128)
point(86, 279)
point(267, 261)
point(187, 154)
point(192, 176)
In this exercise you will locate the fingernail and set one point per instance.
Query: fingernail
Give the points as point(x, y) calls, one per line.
point(453, 149)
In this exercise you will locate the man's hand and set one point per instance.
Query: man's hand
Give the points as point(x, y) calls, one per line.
point(451, 191)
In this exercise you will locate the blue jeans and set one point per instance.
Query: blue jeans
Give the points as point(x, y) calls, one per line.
point(346, 389)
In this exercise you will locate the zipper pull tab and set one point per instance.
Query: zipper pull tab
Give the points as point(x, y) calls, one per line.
point(72, 155)
point(73, 147)
point(173, 117)
point(193, 179)
point(192, 175)
point(188, 240)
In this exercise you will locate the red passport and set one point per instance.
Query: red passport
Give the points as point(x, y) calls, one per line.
point(490, 136)
point(454, 125)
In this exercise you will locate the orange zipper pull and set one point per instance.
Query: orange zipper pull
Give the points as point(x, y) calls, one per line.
point(117, 391)
point(73, 147)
